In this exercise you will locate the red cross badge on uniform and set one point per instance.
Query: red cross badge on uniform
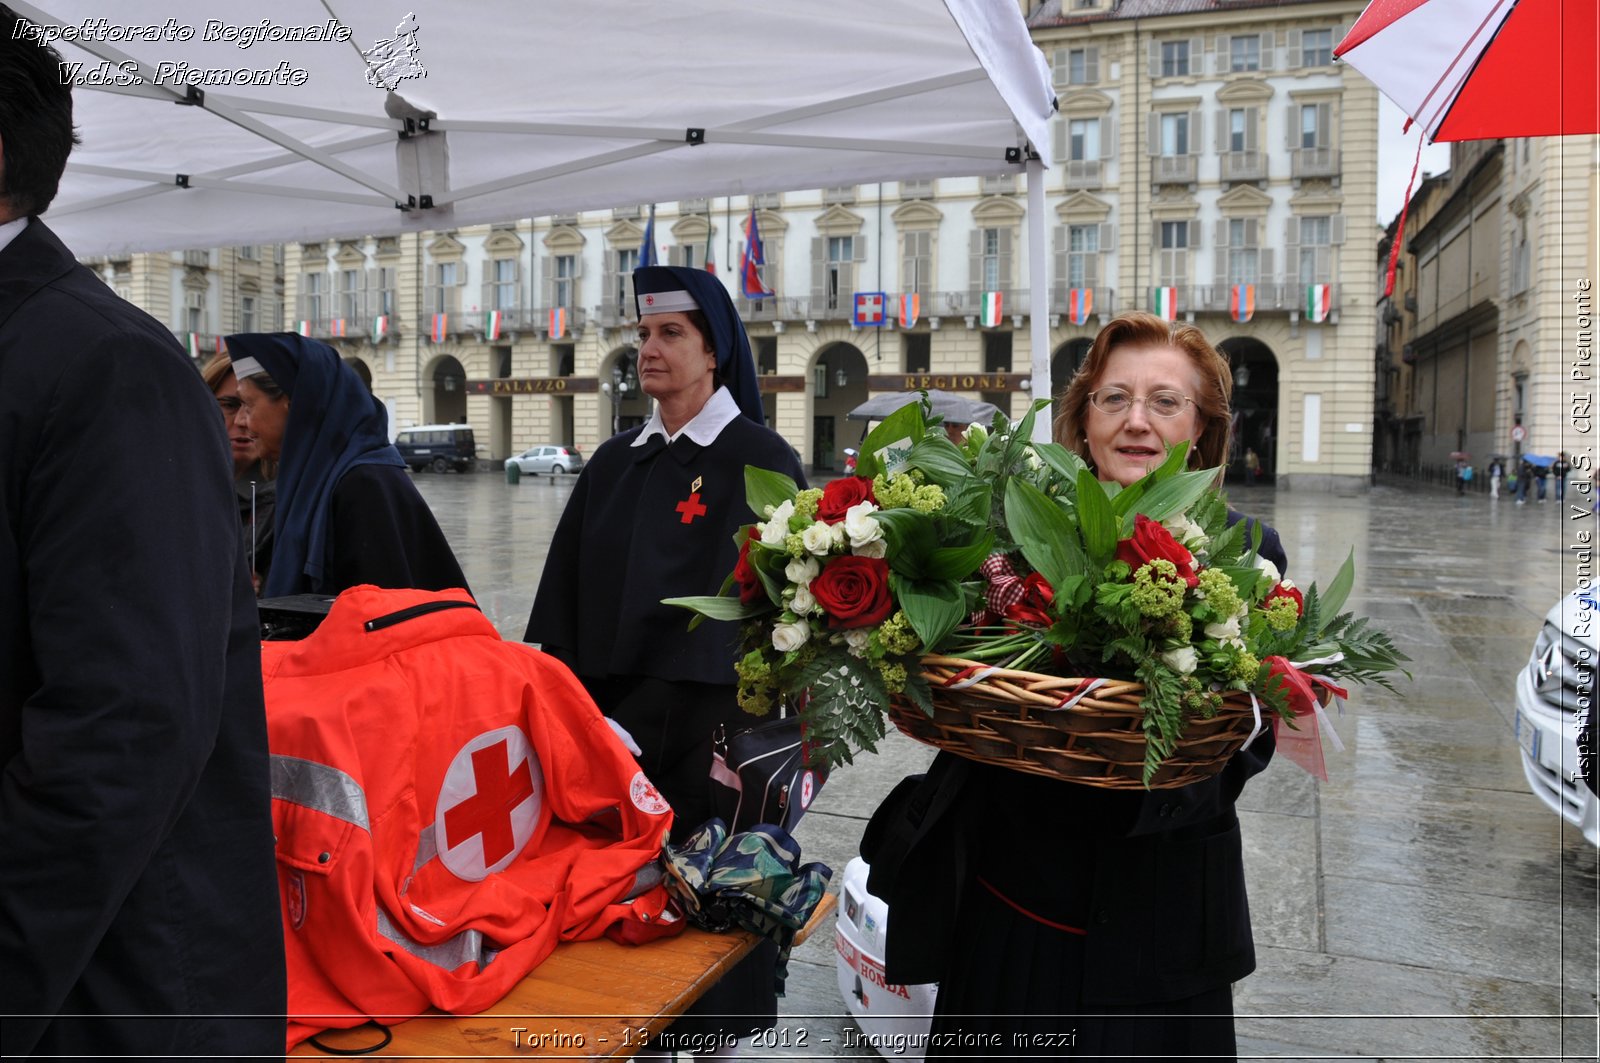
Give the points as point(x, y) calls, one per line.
point(692, 507)
point(491, 804)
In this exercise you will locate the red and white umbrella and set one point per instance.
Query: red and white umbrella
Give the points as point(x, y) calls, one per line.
point(1481, 69)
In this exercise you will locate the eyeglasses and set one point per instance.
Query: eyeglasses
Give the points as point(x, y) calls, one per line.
point(1157, 403)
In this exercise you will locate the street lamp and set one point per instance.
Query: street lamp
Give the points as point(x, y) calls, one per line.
point(1241, 376)
point(840, 377)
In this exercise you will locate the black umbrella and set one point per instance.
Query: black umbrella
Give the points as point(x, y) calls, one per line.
point(955, 409)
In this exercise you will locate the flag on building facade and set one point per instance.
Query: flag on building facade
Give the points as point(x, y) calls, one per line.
point(711, 258)
point(441, 325)
point(647, 249)
point(380, 328)
point(751, 261)
point(336, 327)
point(194, 345)
point(492, 321)
point(910, 309)
point(558, 322)
point(221, 347)
point(1164, 303)
point(991, 309)
point(1080, 304)
point(305, 328)
point(1242, 303)
point(1319, 300)
point(869, 310)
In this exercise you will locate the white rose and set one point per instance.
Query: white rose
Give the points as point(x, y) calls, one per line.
point(860, 524)
point(801, 571)
point(803, 601)
point(1228, 629)
point(790, 636)
point(818, 538)
point(876, 548)
point(1184, 530)
point(1286, 584)
point(856, 639)
point(1182, 660)
point(1273, 575)
point(776, 530)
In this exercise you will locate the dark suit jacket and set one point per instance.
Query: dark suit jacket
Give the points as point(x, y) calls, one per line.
point(138, 875)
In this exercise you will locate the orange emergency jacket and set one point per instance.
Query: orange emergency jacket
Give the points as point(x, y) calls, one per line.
point(448, 807)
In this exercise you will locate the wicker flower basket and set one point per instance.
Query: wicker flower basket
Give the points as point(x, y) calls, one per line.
point(1085, 731)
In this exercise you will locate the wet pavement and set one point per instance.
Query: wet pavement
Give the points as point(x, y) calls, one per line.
point(1422, 903)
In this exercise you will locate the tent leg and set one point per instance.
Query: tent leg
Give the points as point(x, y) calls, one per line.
point(1039, 316)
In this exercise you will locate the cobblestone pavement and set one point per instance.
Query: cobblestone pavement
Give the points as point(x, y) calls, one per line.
point(1421, 903)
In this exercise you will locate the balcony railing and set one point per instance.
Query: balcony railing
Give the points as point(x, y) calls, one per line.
point(1314, 162)
point(1084, 174)
point(1271, 297)
point(1103, 301)
point(1174, 169)
point(1244, 166)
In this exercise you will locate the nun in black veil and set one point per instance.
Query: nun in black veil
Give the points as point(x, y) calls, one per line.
point(653, 516)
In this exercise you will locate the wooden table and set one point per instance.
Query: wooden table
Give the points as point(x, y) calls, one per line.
point(589, 999)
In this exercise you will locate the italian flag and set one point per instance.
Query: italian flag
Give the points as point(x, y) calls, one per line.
point(491, 325)
point(1319, 300)
point(194, 346)
point(991, 309)
point(305, 328)
point(380, 328)
point(1164, 303)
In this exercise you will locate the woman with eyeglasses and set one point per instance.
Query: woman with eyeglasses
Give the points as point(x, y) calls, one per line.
point(1066, 919)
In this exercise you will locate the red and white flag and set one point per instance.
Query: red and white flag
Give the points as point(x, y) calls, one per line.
point(869, 312)
point(380, 328)
point(1080, 304)
point(305, 328)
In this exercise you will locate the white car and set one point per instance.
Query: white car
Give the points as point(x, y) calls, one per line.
point(551, 458)
point(1558, 681)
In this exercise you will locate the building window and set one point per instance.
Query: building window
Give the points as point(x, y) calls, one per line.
point(1081, 67)
point(836, 272)
point(386, 290)
point(1244, 53)
point(565, 286)
point(505, 284)
point(1520, 259)
point(1316, 249)
point(1174, 59)
point(1083, 250)
point(194, 314)
point(1310, 125)
point(1175, 134)
point(1244, 257)
point(916, 261)
point(314, 295)
point(445, 274)
point(917, 348)
point(1316, 47)
point(1083, 139)
point(1172, 266)
point(1238, 135)
point(247, 313)
point(627, 262)
point(989, 267)
point(248, 252)
point(349, 294)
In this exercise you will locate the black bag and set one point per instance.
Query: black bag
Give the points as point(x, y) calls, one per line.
point(759, 775)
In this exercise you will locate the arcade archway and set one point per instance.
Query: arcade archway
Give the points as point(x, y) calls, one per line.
point(838, 384)
point(446, 401)
point(629, 406)
point(1255, 408)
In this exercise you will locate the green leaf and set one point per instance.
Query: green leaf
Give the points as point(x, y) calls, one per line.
point(1176, 494)
point(956, 562)
point(1044, 532)
point(941, 459)
point(911, 537)
point(717, 608)
point(1333, 598)
point(1063, 462)
point(906, 423)
point(968, 502)
point(763, 488)
point(1096, 519)
point(934, 607)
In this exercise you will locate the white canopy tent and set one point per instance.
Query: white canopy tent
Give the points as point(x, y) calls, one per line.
point(203, 126)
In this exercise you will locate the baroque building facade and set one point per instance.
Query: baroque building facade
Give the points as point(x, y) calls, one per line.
point(1210, 161)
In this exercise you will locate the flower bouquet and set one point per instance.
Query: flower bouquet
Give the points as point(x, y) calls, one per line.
point(992, 597)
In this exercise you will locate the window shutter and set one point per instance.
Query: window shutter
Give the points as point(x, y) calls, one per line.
point(1219, 50)
point(1091, 65)
point(1291, 61)
point(1252, 118)
point(1152, 133)
point(1267, 50)
point(300, 300)
point(1191, 234)
point(858, 246)
point(1059, 66)
point(486, 287)
point(547, 287)
point(1264, 266)
point(1252, 232)
point(1006, 240)
point(1108, 138)
point(1155, 58)
point(577, 271)
point(1291, 252)
point(1060, 256)
point(1196, 132)
point(1220, 256)
point(1058, 139)
point(1336, 229)
point(1180, 269)
point(1338, 35)
point(1291, 127)
point(610, 296)
point(1220, 230)
point(1197, 56)
point(975, 262)
point(1155, 233)
point(374, 298)
point(1324, 125)
point(819, 266)
point(454, 294)
point(1224, 130)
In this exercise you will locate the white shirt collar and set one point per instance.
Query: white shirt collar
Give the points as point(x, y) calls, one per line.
point(718, 412)
point(11, 230)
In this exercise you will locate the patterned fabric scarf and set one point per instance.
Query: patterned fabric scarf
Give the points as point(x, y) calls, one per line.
point(753, 880)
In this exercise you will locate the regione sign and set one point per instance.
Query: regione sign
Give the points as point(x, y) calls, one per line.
point(491, 804)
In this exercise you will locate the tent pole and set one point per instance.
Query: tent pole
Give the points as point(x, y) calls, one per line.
point(1039, 304)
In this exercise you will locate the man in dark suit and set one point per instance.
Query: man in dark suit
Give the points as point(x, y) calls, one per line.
point(138, 896)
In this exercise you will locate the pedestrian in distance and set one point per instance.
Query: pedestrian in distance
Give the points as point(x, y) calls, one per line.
point(1497, 472)
point(1524, 480)
point(1541, 474)
point(139, 912)
point(1463, 475)
point(1560, 469)
point(1252, 466)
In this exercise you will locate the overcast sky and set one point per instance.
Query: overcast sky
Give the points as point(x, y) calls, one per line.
point(1396, 152)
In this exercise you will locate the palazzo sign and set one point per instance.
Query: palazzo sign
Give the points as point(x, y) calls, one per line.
point(554, 385)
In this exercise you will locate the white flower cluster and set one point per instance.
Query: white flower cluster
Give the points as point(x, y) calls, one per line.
point(859, 532)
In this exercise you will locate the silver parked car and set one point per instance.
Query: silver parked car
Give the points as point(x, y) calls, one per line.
point(1552, 691)
point(548, 458)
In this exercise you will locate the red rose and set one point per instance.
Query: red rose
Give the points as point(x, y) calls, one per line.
point(854, 591)
point(840, 495)
point(1033, 608)
point(744, 574)
point(1152, 542)
point(1291, 593)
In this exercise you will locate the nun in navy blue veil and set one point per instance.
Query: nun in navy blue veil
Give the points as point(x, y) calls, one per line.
point(347, 511)
point(653, 516)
